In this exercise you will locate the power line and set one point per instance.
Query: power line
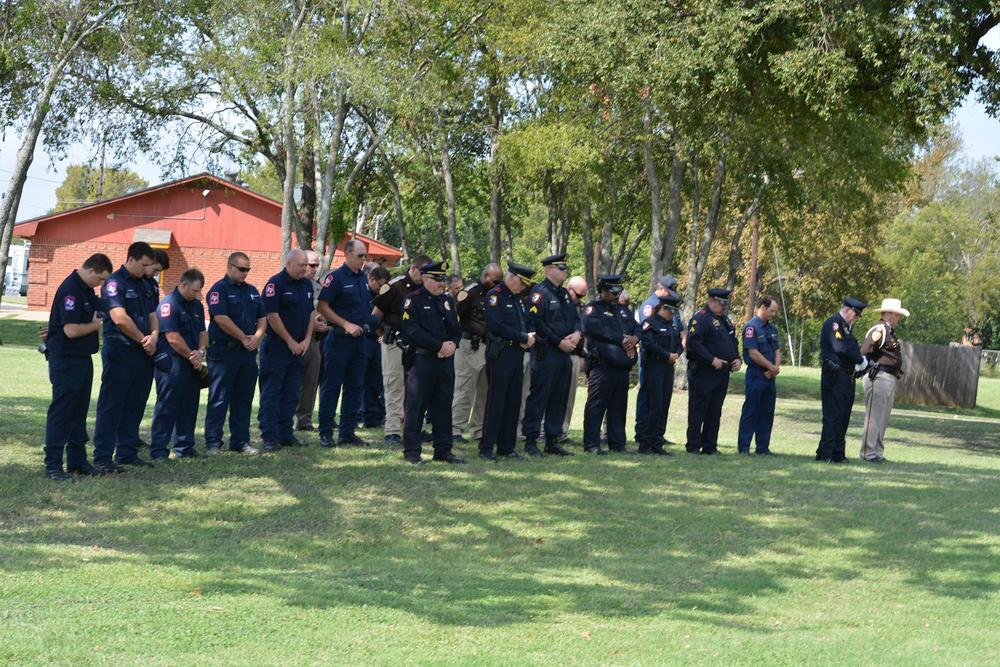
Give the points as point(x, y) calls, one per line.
point(33, 178)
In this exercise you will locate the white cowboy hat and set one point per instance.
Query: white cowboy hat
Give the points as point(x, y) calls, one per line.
point(893, 306)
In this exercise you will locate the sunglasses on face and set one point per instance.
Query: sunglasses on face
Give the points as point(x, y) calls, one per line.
point(314, 266)
point(561, 267)
point(360, 255)
point(241, 269)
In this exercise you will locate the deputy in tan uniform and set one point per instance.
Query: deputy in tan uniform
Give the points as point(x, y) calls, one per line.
point(388, 306)
point(577, 288)
point(883, 354)
point(313, 356)
point(469, 403)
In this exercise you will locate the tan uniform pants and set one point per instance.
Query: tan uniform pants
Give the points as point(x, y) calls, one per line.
point(310, 382)
point(470, 390)
point(394, 384)
point(577, 361)
point(879, 395)
point(525, 389)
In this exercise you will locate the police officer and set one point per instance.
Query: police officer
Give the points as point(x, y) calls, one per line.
point(180, 354)
point(840, 357)
point(130, 337)
point(71, 342)
point(612, 345)
point(430, 325)
point(373, 398)
point(712, 354)
point(762, 356)
point(508, 336)
point(665, 285)
point(883, 351)
point(346, 304)
point(661, 346)
point(238, 325)
point(313, 356)
point(288, 302)
point(557, 329)
point(469, 403)
point(389, 308)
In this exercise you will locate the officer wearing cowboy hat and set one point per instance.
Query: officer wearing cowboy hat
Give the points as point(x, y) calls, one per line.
point(883, 353)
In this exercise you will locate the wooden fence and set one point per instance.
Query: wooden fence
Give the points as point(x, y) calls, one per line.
point(939, 375)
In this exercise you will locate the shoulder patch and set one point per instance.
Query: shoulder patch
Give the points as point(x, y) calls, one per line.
point(269, 289)
point(69, 303)
point(213, 299)
point(493, 299)
point(406, 304)
point(462, 296)
point(536, 297)
point(647, 310)
point(165, 309)
point(588, 310)
point(836, 326)
point(646, 326)
point(112, 287)
point(384, 288)
point(748, 331)
point(328, 280)
point(447, 304)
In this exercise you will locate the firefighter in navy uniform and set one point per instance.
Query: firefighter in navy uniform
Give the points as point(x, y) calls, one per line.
point(762, 356)
point(388, 306)
point(840, 357)
point(665, 285)
point(430, 326)
point(712, 354)
point(612, 346)
point(508, 336)
point(556, 323)
point(71, 343)
point(661, 346)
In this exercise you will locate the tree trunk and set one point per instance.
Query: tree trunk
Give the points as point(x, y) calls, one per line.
point(677, 167)
point(656, 252)
point(291, 160)
point(449, 191)
point(327, 191)
point(496, 182)
point(397, 202)
point(587, 229)
point(307, 209)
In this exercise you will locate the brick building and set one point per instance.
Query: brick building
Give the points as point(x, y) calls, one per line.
point(198, 220)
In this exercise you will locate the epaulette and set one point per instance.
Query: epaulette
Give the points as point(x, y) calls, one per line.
point(397, 279)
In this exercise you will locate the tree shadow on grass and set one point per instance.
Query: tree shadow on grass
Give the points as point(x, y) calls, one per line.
point(694, 538)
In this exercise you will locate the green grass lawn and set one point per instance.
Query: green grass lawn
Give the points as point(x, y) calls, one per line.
point(350, 556)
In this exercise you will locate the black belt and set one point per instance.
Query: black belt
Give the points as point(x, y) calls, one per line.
point(469, 336)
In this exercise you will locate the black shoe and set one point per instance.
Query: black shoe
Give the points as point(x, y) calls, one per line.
point(85, 470)
point(487, 456)
point(308, 428)
point(660, 451)
point(416, 462)
point(449, 458)
point(878, 460)
point(270, 447)
point(513, 456)
point(619, 450)
point(596, 451)
point(109, 468)
point(393, 439)
point(326, 441)
point(711, 452)
point(293, 442)
point(137, 462)
point(351, 439)
point(459, 439)
point(692, 451)
point(58, 476)
point(531, 449)
point(213, 450)
point(764, 452)
point(245, 448)
point(426, 437)
point(554, 448)
point(188, 454)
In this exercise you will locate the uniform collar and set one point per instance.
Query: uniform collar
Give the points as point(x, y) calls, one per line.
point(83, 285)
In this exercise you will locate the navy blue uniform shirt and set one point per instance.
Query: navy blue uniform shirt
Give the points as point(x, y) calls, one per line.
point(660, 338)
point(553, 313)
point(179, 315)
point(605, 324)
point(429, 321)
point(121, 290)
point(74, 303)
point(711, 336)
point(240, 303)
point(348, 295)
point(505, 316)
point(760, 336)
point(152, 292)
point(292, 300)
point(648, 309)
point(837, 345)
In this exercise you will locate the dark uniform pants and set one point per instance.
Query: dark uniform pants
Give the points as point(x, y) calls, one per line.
point(234, 379)
point(430, 383)
point(126, 379)
point(504, 375)
point(344, 362)
point(657, 383)
point(280, 383)
point(66, 424)
point(707, 390)
point(551, 372)
point(757, 417)
point(837, 391)
point(176, 411)
point(373, 399)
point(607, 394)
